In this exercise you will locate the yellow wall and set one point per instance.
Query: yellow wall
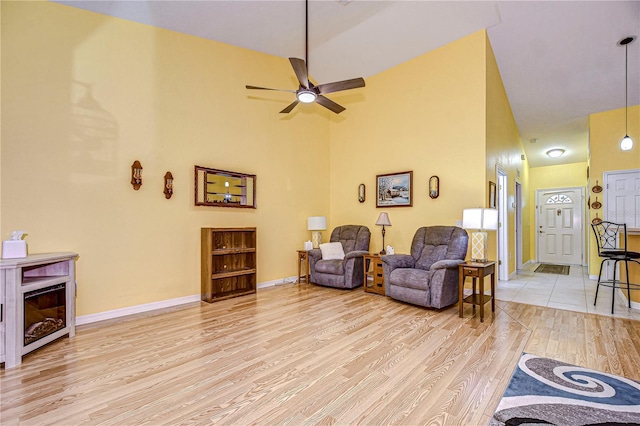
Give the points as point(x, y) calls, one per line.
point(561, 176)
point(606, 129)
point(84, 95)
point(426, 115)
point(504, 150)
point(442, 114)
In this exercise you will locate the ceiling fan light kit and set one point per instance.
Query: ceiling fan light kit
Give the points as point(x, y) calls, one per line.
point(308, 93)
point(626, 143)
point(306, 96)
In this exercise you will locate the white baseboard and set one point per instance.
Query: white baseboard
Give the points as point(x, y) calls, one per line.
point(272, 283)
point(620, 294)
point(130, 310)
point(514, 273)
point(634, 305)
point(116, 313)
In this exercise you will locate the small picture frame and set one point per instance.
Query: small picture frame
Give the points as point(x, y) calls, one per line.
point(394, 190)
point(492, 195)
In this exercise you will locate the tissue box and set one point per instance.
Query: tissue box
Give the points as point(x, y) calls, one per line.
point(308, 245)
point(14, 249)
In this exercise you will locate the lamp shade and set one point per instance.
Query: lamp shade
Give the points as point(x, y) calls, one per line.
point(383, 220)
point(316, 223)
point(482, 219)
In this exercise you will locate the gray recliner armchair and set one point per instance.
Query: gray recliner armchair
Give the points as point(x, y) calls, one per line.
point(347, 272)
point(429, 275)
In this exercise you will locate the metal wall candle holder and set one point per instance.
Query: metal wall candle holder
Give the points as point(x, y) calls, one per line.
point(136, 175)
point(434, 187)
point(168, 185)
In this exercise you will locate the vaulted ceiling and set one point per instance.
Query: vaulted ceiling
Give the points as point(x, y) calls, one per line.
point(559, 60)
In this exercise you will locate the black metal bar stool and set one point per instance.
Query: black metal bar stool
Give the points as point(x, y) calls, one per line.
point(612, 246)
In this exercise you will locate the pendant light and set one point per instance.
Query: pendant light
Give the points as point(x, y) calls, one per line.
point(626, 143)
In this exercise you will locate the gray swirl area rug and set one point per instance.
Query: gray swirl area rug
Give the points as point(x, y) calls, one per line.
point(543, 391)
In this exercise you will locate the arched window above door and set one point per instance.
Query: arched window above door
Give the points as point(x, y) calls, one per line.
point(559, 199)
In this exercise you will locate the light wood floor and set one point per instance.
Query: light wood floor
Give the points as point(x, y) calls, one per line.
point(303, 355)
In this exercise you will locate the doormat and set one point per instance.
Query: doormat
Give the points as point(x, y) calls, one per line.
point(546, 391)
point(547, 268)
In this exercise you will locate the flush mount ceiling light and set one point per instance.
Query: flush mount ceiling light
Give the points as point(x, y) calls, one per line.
point(626, 143)
point(555, 153)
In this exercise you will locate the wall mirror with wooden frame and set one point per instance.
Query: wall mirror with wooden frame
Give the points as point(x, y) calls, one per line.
point(221, 188)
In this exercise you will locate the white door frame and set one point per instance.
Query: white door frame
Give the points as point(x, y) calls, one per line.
point(582, 213)
point(518, 224)
point(503, 224)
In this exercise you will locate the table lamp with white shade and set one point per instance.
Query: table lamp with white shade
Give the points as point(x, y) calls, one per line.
point(316, 224)
point(383, 220)
point(482, 220)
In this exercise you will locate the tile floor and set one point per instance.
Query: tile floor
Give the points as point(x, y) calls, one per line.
point(573, 292)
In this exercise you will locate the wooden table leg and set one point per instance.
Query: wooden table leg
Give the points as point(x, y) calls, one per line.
point(493, 292)
point(473, 285)
point(299, 270)
point(308, 272)
point(460, 292)
point(482, 299)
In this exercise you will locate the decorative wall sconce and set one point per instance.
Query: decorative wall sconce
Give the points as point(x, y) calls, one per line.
point(136, 175)
point(168, 185)
point(434, 186)
point(361, 192)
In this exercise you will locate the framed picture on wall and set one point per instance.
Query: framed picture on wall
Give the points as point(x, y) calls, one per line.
point(492, 195)
point(394, 190)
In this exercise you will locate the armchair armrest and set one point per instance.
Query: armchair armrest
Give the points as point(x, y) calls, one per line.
point(446, 263)
point(315, 254)
point(398, 261)
point(355, 254)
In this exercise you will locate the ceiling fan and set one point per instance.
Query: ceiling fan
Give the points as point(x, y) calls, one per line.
point(308, 92)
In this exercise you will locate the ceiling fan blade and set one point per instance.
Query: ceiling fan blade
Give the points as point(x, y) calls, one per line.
point(266, 88)
point(288, 109)
point(300, 68)
point(329, 104)
point(337, 86)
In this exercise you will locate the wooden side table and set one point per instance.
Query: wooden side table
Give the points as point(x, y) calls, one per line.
point(303, 257)
point(373, 275)
point(477, 270)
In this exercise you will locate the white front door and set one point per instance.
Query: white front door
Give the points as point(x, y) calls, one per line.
point(559, 221)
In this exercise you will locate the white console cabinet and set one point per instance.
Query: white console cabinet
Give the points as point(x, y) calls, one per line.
point(37, 303)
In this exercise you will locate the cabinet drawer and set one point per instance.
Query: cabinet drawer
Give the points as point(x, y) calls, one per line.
point(470, 272)
point(378, 279)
